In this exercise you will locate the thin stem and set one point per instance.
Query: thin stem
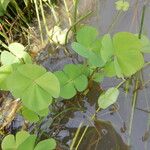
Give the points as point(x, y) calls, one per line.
point(142, 21)
point(76, 135)
point(85, 130)
point(75, 13)
point(82, 18)
point(115, 20)
point(147, 64)
point(38, 18)
point(43, 16)
point(134, 100)
point(68, 13)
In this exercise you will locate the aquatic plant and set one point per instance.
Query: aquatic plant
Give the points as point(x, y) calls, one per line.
point(122, 5)
point(119, 56)
point(23, 140)
point(27, 81)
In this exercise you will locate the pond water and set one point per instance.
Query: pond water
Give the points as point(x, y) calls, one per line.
point(112, 131)
point(106, 19)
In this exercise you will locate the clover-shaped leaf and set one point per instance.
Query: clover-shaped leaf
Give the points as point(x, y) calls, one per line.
point(21, 141)
point(122, 5)
point(126, 58)
point(108, 98)
point(17, 54)
point(34, 86)
point(72, 79)
point(88, 45)
point(24, 141)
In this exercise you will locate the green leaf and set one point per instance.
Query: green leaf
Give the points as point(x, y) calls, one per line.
point(18, 142)
point(88, 45)
point(18, 50)
point(72, 79)
point(117, 68)
point(34, 86)
point(127, 48)
point(145, 44)
point(108, 98)
point(49, 144)
point(5, 72)
point(81, 50)
point(109, 69)
point(8, 143)
point(107, 50)
point(98, 77)
point(87, 35)
point(29, 115)
point(24, 141)
point(3, 6)
point(7, 58)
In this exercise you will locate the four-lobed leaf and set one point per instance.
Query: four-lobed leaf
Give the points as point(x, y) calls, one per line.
point(72, 79)
point(34, 86)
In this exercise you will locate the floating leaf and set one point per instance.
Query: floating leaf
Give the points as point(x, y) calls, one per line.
point(108, 98)
point(71, 79)
point(34, 86)
point(23, 141)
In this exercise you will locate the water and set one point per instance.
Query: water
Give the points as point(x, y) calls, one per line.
point(105, 20)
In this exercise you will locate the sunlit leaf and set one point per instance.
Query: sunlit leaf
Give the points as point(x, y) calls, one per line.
point(72, 79)
point(127, 51)
point(88, 45)
point(24, 141)
point(5, 72)
point(107, 50)
point(7, 58)
point(145, 44)
point(49, 144)
point(34, 85)
point(29, 115)
point(108, 98)
point(11, 142)
point(18, 50)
